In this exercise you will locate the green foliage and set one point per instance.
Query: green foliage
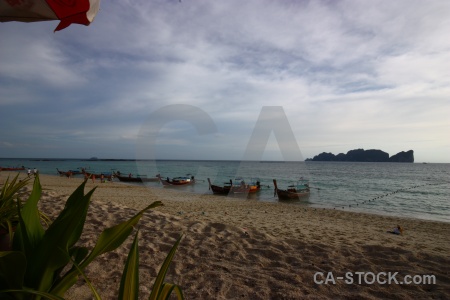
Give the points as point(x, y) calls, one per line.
point(8, 203)
point(161, 289)
point(46, 263)
point(129, 285)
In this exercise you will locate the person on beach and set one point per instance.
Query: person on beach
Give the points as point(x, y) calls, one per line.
point(93, 178)
point(29, 172)
point(35, 171)
point(397, 230)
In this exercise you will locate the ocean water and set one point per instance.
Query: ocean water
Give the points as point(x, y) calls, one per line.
point(412, 190)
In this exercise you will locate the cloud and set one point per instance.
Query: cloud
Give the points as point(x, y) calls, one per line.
point(347, 74)
point(27, 59)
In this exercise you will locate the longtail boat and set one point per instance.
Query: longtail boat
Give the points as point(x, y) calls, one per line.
point(245, 188)
point(106, 175)
point(177, 181)
point(12, 168)
point(220, 190)
point(138, 178)
point(68, 173)
point(293, 192)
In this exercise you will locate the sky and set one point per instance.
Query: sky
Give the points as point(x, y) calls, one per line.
point(229, 80)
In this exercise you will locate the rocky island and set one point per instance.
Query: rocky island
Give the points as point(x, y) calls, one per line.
point(361, 155)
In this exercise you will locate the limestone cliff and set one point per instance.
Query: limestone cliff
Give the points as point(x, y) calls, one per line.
point(361, 155)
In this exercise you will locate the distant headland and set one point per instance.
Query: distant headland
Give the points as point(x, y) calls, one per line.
point(361, 155)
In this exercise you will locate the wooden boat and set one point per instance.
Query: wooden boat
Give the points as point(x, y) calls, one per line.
point(106, 175)
point(245, 188)
point(12, 168)
point(177, 181)
point(293, 192)
point(68, 173)
point(221, 190)
point(138, 178)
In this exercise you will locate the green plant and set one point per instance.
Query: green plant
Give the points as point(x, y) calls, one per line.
point(9, 217)
point(9, 200)
point(46, 263)
point(129, 285)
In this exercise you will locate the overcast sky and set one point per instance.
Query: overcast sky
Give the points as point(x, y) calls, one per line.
point(201, 80)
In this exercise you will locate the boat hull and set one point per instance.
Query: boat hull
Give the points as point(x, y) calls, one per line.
point(136, 179)
point(220, 190)
point(105, 175)
point(12, 169)
point(247, 189)
point(291, 193)
point(177, 181)
point(68, 173)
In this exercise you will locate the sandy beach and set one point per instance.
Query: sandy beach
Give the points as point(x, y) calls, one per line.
point(246, 249)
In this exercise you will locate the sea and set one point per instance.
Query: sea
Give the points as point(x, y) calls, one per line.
point(412, 190)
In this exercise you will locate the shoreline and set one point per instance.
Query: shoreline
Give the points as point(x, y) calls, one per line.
point(418, 196)
point(254, 250)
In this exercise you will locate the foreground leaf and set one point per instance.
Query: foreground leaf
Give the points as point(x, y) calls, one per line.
point(113, 237)
point(160, 289)
point(53, 252)
point(109, 240)
point(88, 282)
point(30, 216)
point(129, 284)
point(9, 201)
point(167, 290)
point(12, 260)
point(32, 292)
